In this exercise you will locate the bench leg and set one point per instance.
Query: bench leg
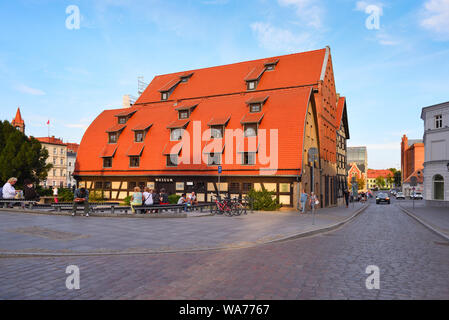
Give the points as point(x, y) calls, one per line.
point(112, 209)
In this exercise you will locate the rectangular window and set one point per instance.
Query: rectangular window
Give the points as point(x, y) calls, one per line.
point(216, 132)
point(270, 67)
point(176, 134)
point(250, 129)
point(214, 159)
point(248, 158)
point(134, 162)
point(438, 121)
point(98, 185)
point(247, 186)
point(62, 161)
point(255, 107)
point(234, 187)
point(54, 151)
point(112, 137)
point(172, 160)
point(251, 85)
point(183, 114)
point(107, 185)
point(132, 185)
point(164, 96)
point(122, 120)
point(138, 136)
point(107, 162)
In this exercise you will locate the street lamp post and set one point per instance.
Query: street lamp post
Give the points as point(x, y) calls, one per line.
point(313, 156)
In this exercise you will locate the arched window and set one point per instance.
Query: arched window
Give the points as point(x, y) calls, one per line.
point(438, 187)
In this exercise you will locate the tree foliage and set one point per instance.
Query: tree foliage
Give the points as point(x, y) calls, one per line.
point(263, 200)
point(20, 156)
point(380, 181)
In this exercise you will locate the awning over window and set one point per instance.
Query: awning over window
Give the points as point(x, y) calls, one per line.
point(186, 75)
point(172, 147)
point(252, 118)
point(178, 124)
point(214, 147)
point(116, 128)
point(248, 145)
point(108, 151)
point(126, 113)
point(255, 73)
point(186, 107)
point(169, 85)
point(269, 62)
point(219, 121)
point(142, 127)
point(135, 150)
point(258, 99)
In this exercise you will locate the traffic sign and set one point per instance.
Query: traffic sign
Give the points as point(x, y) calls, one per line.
point(413, 181)
point(313, 154)
point(219, 169)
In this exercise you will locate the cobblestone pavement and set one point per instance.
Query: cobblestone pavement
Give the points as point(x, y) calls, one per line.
point(38, 233)
point(413, 262)
point(437, 218)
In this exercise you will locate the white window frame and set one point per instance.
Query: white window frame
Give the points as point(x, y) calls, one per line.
point(172, 132)
point(245, 129)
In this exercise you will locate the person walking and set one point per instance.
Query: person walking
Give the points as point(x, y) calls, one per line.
point(81, 197)
point(303, 199)
point(136, 199)
point(55, 194)
point(346, 194)
point(313, 200)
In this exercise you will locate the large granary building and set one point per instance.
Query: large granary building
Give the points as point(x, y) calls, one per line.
point(256, 120)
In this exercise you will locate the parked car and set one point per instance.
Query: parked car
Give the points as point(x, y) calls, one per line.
point(400, 195)
point(382, 197)
point(416, 196)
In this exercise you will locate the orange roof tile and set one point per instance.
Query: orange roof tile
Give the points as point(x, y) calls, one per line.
point(219, 121)
point(271, 61)
point(169, 85)
point(248, 145)
point(178, 124)
point(372, 174)
point(126, 113)
point(136, 149)
point(255, 73)
point(142, 127)
point(252, 118)
point(257, 99)
point(73, 147)
point(51, 140)
point(172, 147)
point(116, 128)
point(108, 151)
point(18, 119)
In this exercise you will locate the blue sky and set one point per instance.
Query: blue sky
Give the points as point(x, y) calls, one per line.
point(70, 76)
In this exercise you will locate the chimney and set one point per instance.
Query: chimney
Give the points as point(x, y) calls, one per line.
point(126, 101)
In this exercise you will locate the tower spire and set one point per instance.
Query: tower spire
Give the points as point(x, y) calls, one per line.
point(18, 122)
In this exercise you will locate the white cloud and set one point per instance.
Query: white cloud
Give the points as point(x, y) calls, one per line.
point(278, 39)
point(310, 12)
point(28, 90)
point(436, 17)
point(363, 5)
point(386, 40)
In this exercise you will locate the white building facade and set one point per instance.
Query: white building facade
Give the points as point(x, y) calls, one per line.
point(71, 159)
point(436, 164)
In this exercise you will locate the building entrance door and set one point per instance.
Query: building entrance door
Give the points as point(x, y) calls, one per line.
point(169, 187)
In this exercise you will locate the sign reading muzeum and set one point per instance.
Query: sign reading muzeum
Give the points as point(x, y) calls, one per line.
point(256, 120)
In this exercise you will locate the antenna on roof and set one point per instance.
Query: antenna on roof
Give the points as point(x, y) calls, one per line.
point(141, 85)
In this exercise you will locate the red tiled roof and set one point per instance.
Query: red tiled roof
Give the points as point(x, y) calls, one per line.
point(169, 85)
point(271, 61)
point(18, 119)
point(172, 147)
point(255, 73)
point(136, 149)
point(126, 113)
point(51, 140)
point(289, 123)
point(252, 118)
point(248, 145)
point(178, 124)
point(108, 151)
point(257, 99)
point(116, 128)
point(420, 176)
point(220, 121)
point(372, 174)
point(340, 108)
point(228, 78)
point(142, 127)
point(73, 147)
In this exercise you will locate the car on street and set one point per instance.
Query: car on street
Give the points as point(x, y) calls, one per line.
point(382, 197)
point(400, 195)
point(416, 196)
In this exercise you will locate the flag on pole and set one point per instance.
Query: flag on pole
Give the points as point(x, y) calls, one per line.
point(48, 122)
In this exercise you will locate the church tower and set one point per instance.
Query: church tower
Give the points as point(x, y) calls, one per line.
point(18, 122)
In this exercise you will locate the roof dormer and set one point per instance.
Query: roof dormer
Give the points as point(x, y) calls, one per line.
point(255, 103)
point(185, 110)
point(124, 116)
point(170, 86)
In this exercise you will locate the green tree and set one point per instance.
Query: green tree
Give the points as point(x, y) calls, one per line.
point(20, 156)
point(398, 178)
point(361, 183)
point(380, 181)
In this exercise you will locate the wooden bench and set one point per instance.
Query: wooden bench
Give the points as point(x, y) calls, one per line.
point(161, 207)
point(93, 206)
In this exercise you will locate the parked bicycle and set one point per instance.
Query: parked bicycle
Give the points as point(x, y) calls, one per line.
point(229, 207)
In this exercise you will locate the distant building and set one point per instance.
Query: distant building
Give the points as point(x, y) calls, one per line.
point(412, 162)
point(372, 175)
point(359, 157)
point(342, 137)
point(72, 149)
point(57, 156)
point(357, 171)
point(436, 164)
point(18, 122)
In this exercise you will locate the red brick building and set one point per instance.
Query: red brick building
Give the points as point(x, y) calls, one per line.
point(274, 110)
point(412, 157)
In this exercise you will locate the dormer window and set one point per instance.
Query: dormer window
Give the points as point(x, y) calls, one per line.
point(113, 137)
point(176, 134)
point(122, 120)
point(270, 67)
point(217, 132)
point(139, 136)
point(250, 129)
point(251, 85)
point(164, 96)
point(107, 162)
point(134, 162)
point(255, 107)
point(183, 114)
point(214, 159)
point(271, 64)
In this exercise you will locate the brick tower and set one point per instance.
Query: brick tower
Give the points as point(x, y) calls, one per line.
point(18, 122)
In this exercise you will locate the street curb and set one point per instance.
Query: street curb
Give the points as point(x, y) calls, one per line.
point(428, 226)
point(94, 215)
point(287, 238)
